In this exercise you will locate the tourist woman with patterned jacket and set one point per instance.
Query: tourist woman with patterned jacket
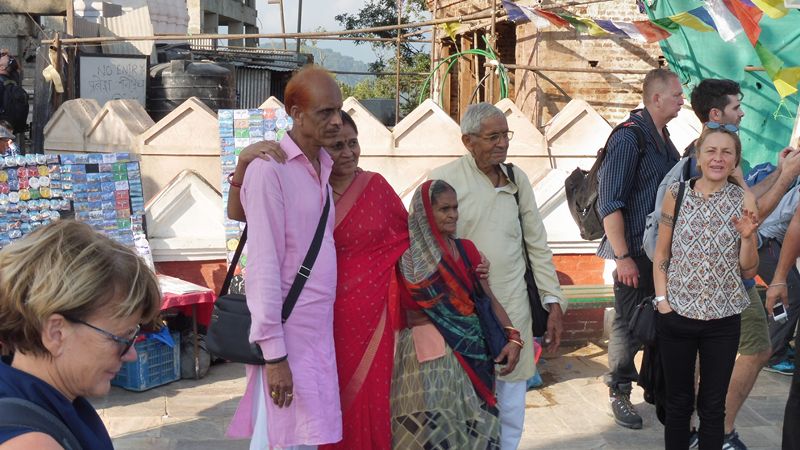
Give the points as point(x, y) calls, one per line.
point(700, 260)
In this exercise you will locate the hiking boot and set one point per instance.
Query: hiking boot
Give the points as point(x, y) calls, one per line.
point(694, 438)
point(784, 367)
point(732, 442)
point(624, 412)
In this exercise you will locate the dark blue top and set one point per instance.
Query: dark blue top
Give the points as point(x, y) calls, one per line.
point(629, 183)
point(79, 416)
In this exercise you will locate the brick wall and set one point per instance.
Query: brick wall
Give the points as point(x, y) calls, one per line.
point(582, 323)
point(210, 274)
point(579, 269)
point(612, 95)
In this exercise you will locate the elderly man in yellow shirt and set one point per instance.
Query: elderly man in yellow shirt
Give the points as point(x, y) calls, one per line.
point(489, 216)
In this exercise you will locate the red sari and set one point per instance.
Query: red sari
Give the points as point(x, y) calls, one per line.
point(371, 234)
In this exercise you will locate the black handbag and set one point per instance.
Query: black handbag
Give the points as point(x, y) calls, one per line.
point(539, 315)
point(492, 329)
point(642, 323)
point(229, 330)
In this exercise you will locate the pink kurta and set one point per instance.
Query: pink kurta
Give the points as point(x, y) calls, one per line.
point(283, 204)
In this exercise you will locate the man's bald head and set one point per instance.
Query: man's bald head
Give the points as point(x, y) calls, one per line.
point(656, 81)
point(299, 89)
point(314, 101)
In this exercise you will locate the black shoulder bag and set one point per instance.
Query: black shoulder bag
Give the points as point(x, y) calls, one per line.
point(21, 413)
point(539, 315)
point(642, 323)
point(229, 330)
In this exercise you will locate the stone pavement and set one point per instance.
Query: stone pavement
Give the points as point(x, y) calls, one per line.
point(570, 413)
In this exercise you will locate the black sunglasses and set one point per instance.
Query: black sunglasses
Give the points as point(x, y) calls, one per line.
point(724, 126)
point(124, 343)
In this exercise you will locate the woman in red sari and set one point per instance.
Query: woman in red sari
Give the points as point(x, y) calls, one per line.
point(371, 233)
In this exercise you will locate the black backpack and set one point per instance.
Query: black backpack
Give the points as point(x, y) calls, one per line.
point(21, 413)
point(581, 189)
point(14, 104)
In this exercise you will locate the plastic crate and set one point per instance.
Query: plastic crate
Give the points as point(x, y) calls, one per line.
point(157, 364)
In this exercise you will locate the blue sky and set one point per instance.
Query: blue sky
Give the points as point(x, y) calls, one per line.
point(316, 14)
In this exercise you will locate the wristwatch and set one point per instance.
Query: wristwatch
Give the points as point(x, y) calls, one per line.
point(658, 299)
point(626, 255)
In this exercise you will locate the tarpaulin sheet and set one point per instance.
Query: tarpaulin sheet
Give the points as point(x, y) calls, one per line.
point(695, 56)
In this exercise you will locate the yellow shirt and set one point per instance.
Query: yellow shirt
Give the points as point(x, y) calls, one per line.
point(488, 217)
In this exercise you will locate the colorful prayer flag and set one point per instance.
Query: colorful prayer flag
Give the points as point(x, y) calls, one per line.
point(515, 14)
point(728, 25)
point(537, 20)
point(592, 27)
point(631, 30)
point(574, 21)
point(650, 32)
point(784, 79)
point(611, 28)
point(773, 8)
point(667, 24)
point(451, 30)
point(748, 16)
point(702, 14)
point(551, 17)
point(689, 20)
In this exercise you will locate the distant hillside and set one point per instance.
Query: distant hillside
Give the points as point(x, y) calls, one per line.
point(330, 59)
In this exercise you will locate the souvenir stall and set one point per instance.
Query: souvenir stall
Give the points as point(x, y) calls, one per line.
point(239, 128)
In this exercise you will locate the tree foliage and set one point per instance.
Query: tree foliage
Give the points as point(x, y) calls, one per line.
point(383, 86)
point(377, 13)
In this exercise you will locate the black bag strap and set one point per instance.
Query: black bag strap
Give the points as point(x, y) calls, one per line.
point(308, 263)
point(302, 273)
point(232, 268)
point(21, 413)
point(640, 143)
point(687, 168)
point(510, 170)
point(678, 201)
point(475, 282)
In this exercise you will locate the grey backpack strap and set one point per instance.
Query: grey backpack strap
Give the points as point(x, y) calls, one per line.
point(21, 413)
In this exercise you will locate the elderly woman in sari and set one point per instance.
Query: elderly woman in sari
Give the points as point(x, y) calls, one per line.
point(443, 380)
point(370, 234)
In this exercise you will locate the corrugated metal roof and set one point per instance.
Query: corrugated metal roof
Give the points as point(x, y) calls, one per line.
point(256, 58)
point(134, 23)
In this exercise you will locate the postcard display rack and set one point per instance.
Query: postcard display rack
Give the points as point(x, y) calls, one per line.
point(103, 190)
point(239, 128)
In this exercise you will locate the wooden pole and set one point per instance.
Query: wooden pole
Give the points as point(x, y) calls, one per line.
point(307, 35)
point(57, 65)
point(299, 20)
point(397, 63)
point(70, 17)
point(283, 25)
point(578, 70)
point(434, 81)
point(490, 80)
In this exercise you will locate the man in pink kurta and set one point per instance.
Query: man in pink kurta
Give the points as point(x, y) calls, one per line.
point(283, 204)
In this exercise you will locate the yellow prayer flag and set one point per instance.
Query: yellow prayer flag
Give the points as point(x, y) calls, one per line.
point(451, 29)
point(593, 28)
point(688, 20)
point(786, 81)
point(773, 8)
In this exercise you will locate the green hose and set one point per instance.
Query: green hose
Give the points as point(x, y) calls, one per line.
point(453, 59)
